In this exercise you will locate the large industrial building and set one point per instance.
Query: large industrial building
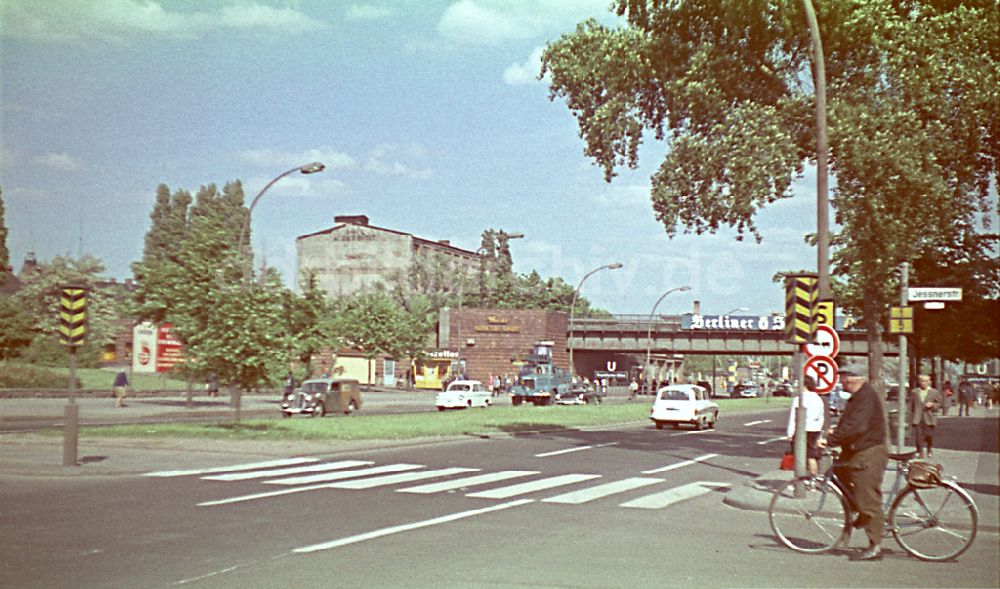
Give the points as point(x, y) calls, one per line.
point(354, 257)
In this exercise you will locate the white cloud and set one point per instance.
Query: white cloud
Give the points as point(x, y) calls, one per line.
point(268, 158)
point(384, 161)
point(121, 20)
point(491, 22)
point(518, 74)
point(62, 162)
point(366, 12)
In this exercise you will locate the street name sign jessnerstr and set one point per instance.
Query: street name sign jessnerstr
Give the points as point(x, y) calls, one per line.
point(933, 293)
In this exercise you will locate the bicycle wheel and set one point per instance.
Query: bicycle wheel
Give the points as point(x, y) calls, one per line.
point(812, 521)
point(935, 524)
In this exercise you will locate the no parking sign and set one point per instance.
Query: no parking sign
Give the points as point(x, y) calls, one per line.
point(823, 370)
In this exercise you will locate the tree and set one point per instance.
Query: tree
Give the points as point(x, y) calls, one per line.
point(40, 299)
point(160, 268)
point(913, 118)
point(16, 327)
point(4, 252)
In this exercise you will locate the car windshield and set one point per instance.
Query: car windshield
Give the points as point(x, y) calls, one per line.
point(314, 387)
point(670, 395)
point(459, 387)
point(528, 383)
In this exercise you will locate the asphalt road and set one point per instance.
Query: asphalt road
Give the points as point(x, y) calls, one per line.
point(608, 508)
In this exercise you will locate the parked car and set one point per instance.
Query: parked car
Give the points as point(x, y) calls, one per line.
point(684, 403)
point(838, 399)
point(784, 390)
point(463, 394)
point(318, 396)
point(578, 394)
point(746, 391)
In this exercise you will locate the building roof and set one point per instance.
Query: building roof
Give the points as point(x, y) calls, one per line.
point(342, 221)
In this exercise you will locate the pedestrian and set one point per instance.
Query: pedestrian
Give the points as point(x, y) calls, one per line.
point(633, 388)
point(815, 415)
point(212, 385)
point(861, 435)
point(948, 394)
point(924, 403)
point(289, 385)
point(966, 397)
point(120, 387)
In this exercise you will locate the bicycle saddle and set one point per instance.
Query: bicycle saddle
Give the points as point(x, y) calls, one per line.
point(904, 457)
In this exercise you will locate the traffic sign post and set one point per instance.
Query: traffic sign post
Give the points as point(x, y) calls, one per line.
point(72, 330)
point(826, 342)
point(823, 370)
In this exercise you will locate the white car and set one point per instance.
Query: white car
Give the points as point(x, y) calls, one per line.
point(463, 394)
point(684, 403)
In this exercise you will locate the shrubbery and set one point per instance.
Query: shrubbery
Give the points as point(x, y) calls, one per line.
point(26, 376)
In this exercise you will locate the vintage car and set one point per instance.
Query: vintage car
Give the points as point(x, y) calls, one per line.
point(684, 403)
point(319, 396)
point(578, 394)
point(463, 394)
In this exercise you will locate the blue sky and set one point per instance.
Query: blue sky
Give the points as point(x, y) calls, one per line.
point(426, 113)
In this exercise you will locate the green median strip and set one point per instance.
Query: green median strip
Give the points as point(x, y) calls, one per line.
point(495, 420)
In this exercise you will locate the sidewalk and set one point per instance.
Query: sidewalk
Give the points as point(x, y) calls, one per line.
point(976, 467)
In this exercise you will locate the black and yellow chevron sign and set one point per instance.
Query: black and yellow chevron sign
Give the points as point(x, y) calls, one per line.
point(72, 315)
point(801, 296)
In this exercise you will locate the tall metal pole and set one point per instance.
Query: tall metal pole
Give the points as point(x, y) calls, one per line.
point(822, 155)
point(904, 282)
point(572, 309)
point(649, 325)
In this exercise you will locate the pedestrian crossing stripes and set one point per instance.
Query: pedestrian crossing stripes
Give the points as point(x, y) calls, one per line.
point(300, 475)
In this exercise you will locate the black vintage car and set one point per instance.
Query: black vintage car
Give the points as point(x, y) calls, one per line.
point(319, 396)
point(578, 394)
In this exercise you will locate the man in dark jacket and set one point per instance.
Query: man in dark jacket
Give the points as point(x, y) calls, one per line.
point(861, 435)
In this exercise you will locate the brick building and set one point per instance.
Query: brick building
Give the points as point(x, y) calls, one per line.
point(497, 341)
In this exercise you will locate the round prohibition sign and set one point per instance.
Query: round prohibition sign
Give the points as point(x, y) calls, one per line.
point(823, 369)
point(826, 343)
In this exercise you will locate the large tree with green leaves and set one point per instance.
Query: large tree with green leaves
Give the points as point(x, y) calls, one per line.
point(4, 252)
point(914, 115)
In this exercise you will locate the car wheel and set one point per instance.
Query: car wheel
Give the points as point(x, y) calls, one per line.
point(469, 403)
point(715, 418)
point(487, 403)
point(351, 407)
point(319, 410)
point(659, 424)
point(440, 408)
point(285, 414)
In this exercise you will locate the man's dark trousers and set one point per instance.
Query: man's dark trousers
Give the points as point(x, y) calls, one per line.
point(862, 474)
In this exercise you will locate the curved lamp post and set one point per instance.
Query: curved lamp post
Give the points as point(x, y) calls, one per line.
point(465, 276)
point(649, 325)
point(304, 169)
point(572, 309)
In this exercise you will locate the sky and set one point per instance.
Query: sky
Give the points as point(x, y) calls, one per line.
point(428, 115)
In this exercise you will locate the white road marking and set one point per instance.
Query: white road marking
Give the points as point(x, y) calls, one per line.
point(407, 527)
point(472, 481)
point(347, 474)
point(238, 467)
point(782, 438)
point(695, 432)
point(748, 424)
point(680, 464)
point(573, 449)
point(393, 479)
point(598, 491)
point(262, 495)
point(675, 495)
point(260, 474)
point(532, 486)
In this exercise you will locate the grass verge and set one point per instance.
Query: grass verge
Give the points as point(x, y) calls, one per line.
point(495, 420)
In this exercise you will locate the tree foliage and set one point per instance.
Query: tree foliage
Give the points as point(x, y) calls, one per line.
point(913, 101)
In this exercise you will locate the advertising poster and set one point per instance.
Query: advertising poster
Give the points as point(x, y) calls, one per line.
point(169, 350)
point(144, 348)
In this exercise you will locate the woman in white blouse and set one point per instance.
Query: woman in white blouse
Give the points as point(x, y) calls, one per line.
point(815, 413)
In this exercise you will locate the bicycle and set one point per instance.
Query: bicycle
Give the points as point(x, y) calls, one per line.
point(812, 514)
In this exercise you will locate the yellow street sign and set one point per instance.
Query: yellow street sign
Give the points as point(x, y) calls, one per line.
point(901, 320)
point(72, 315)
point(801, 294)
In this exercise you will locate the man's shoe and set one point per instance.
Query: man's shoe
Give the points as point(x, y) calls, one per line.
point(873, 552)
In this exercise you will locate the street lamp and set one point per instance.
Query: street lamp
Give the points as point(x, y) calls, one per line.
point(649, 326)
point(305, 169)
point(572, 310)
point(465, 276)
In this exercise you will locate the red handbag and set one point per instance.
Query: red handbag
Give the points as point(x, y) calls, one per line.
point(788, 461)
